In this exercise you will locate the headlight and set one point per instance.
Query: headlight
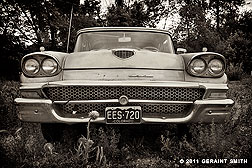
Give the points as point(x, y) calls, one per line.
point(49, 65)
point(197, 66)
point(31, 66)
point(216, 66)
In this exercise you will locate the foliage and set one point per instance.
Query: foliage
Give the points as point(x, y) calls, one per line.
point(234, 72)
point(219, 26)
point(12, 50)
point(238, 51)
point(9, 90)
point(85, 144)
point(108, 138)
point(47, 21)
point(25, 26)
point(137, 14)
point(225, 13)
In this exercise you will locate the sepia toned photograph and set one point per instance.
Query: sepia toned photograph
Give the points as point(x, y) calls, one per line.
point(125, 83)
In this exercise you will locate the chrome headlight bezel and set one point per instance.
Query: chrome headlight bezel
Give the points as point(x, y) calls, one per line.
point(47, 68)
point(211, 64)
point(201, 68)
point(41, 59)
point(33, 64)
point(209, 58)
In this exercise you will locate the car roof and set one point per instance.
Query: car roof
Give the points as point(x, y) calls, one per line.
point(94, 29)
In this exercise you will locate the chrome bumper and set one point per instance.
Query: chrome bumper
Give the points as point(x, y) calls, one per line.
point(45, 111)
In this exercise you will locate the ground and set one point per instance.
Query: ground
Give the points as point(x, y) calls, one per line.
point(22, 144)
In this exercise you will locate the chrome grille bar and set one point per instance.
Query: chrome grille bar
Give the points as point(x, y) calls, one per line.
point(158, 110)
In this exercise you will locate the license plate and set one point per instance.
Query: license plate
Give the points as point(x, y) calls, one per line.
point(123, 115)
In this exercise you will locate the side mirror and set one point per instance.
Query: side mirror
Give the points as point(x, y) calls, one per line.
point(181, 50)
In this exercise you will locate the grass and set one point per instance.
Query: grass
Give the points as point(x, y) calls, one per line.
point(21, 144)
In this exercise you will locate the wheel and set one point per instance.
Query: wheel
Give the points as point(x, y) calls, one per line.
point(183, 130)
point(52, 132)
point(55, 132)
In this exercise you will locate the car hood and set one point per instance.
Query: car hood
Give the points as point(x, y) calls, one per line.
point(142, 59)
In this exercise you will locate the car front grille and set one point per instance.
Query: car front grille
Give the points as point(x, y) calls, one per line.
point(68, 93)
point(148, 110)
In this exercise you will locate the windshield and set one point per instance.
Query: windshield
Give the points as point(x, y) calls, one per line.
point(158, 42)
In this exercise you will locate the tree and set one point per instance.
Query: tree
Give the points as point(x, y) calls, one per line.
point(38, 23)
point(139, 13)
point(226, 14)
point(194, 31)
point(47, 21)
point(229, 33)
point(237, 47)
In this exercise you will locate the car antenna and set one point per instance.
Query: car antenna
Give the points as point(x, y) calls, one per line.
point(69, 29)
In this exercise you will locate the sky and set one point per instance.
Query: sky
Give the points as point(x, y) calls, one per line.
point(248, 5)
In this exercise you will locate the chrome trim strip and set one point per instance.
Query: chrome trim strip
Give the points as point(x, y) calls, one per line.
point(123, 83)
point(117, 101)
point(170, 120)
point(216, 86)
point(110, 68)
point(216, 114)
point(32, 101)
point(85, 101)
point(215, 102)
point(31, 85)
point(137, 29)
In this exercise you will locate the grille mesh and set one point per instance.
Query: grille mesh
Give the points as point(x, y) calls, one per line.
point(114, 92)
point(176, 110)
point(123, 53)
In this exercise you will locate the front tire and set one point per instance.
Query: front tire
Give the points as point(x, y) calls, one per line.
point(52, 132)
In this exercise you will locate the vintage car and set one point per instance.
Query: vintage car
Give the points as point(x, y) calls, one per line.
point(129, 75)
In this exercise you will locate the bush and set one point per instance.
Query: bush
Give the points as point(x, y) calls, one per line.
point(235, 72)
point(237, 50)
point(9, 90)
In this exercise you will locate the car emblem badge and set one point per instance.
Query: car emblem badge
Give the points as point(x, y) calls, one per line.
point(123, 100)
